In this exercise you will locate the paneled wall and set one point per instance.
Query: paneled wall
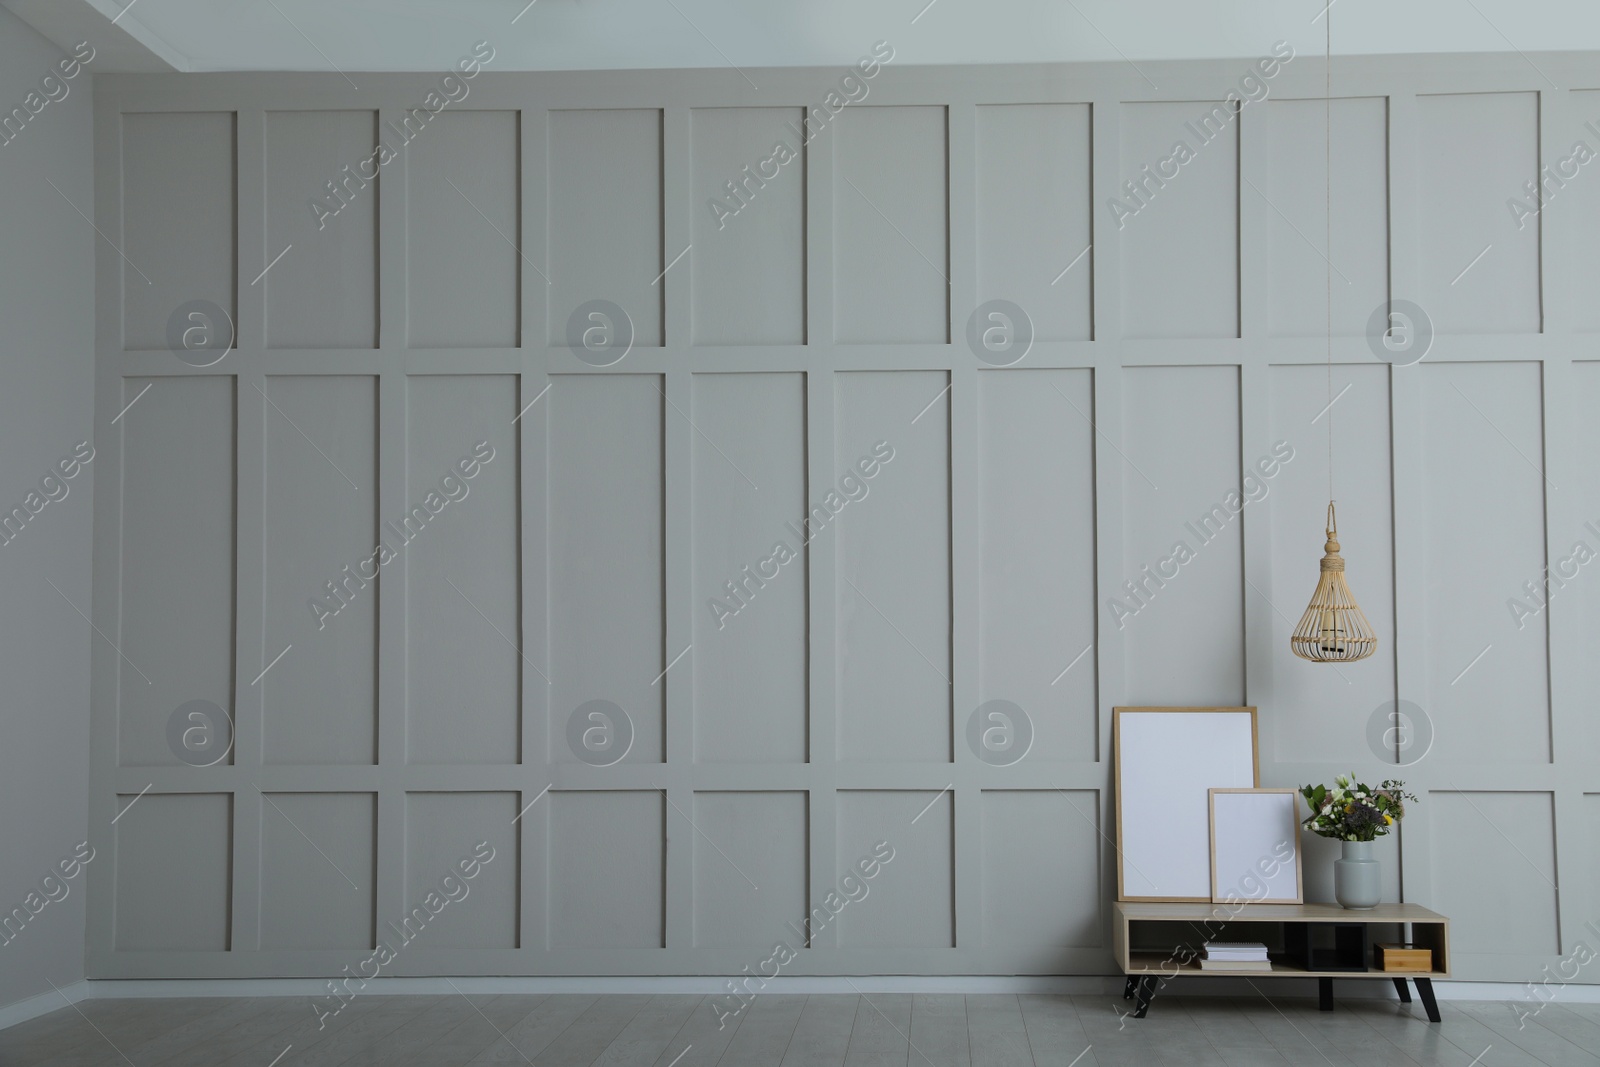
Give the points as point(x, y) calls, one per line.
point(666, 524)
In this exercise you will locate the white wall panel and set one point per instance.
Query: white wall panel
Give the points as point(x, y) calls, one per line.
point(321, 527)
point(1573, 570)
point(442, 830)
point(750, 866)
point(178, 249)
point(178, 567)
point(1508, 905)
point(463, 205)
point(1036, 570)
point(464, 668)
point(173, 872)
point(749, 259)
point(605, 217)
point(1307, 261)
point(607, 635)
point(1481, 450)
point(607, 869)
point(750, 664)
point(893, 591)
point(1032, 192)
point(1321, 708)
point(1579, 208)
point(318, 870)
point(1035, 898)
point(891, 234)
point(1180, 604)
point(1474, 152)
point(322, 206)
point(1589, 856)
point(1178, 226)
point(911, 899)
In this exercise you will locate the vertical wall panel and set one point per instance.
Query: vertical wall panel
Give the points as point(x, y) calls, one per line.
point(911, 899)
point(1484, 489)
point(890, 225)
point(318, 870)
point(1036, 898)
point(749, 258)
point(1579, 211)
point(1508, 906)
point(173, 872)
point(1033, 214)
point(893, 591)
point(1313, 714)
point(752, 881)
point(605, 217)
point(1304, 265)
point(1575, 568)
point(607, 869)
point(321, 527)
point(1179, 235)
point(178, 248)
point(607, 595)
point(322, 198)
point(749, 661)
point(1475, 151)
point(463, 214)
point(1036, 557)
point(443, 830)
point(1589, 858)
point(460, 541)
point(1183, 502)
point(177, 558)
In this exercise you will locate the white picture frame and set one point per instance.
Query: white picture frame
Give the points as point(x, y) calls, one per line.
point(1166, 761)
point(1255, 847)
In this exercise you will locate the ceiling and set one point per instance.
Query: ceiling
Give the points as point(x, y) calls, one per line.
point(359, 35)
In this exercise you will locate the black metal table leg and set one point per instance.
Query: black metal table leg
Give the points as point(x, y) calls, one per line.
point(1404, 990)
point(1147, 989)
point(1325, 994)
point(1131, 984)
point(1425, 991)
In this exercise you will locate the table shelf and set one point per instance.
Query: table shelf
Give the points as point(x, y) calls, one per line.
point(1162, 964)
point(1157, 940)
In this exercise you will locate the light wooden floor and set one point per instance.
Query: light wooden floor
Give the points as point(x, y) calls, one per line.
point(871, 1030)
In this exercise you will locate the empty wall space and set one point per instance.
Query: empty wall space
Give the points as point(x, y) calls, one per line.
point(47, 390)
point(616, 493)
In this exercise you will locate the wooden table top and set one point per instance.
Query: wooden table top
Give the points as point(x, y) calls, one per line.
point(1234, 912)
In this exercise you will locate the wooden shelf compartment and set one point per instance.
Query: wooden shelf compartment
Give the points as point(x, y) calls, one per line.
point(1137, 956)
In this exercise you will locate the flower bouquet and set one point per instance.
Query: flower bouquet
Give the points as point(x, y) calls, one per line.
point(1354, 811)
point(1355, 814)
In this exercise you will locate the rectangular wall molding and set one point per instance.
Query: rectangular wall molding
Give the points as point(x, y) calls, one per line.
point(638, 522)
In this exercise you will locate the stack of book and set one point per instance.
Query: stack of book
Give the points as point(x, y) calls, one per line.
point(1234, 956)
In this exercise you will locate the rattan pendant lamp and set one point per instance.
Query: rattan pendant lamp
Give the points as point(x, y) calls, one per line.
point(1333, 629)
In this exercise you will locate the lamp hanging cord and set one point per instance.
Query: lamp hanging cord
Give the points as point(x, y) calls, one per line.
point(1327, 217)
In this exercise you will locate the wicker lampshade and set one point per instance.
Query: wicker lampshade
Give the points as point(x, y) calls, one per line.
point(1333, 629)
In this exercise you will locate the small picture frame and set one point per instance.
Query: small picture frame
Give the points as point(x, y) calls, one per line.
point(1255, 847)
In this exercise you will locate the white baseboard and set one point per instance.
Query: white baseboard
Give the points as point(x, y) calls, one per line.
point(1083, 985)
point(45, 1003)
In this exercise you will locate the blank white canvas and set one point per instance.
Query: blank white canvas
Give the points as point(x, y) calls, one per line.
point(1254, 837)
point(1167, 764)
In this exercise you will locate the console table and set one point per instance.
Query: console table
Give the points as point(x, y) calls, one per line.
point(1154, 942)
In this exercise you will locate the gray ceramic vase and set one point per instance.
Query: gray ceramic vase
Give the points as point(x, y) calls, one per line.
point(1357, 876)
